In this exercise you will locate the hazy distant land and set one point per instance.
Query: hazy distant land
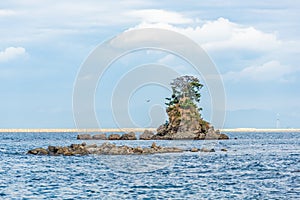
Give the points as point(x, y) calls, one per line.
point(138, 130)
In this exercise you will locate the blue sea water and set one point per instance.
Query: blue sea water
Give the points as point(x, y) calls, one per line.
point(256, 166)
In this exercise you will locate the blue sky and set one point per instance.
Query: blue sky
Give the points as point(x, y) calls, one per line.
point(255, 46)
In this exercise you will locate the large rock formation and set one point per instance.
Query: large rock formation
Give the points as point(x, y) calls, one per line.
point(185, 123)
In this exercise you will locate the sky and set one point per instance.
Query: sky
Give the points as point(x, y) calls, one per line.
point(255, 46)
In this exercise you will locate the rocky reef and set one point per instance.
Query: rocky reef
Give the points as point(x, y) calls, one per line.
point(104, 149)
point(110, 149)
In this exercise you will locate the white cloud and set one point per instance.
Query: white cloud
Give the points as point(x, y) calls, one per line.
point(4, 12)
point(221, 34)
point(272, 70)
point(11, 53)
point(160, 16)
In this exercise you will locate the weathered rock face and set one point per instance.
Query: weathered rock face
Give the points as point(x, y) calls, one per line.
point(147, 135)
point(104, 149)
point(185, 123)
point(128, 136)
point(101, 136)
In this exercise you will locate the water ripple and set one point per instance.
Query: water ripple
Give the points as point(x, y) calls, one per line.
point(256, 166)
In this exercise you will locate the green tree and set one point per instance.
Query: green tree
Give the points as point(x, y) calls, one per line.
point(186, 91)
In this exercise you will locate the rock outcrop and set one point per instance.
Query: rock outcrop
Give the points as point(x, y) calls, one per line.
point(185, 123)
point(103, 149)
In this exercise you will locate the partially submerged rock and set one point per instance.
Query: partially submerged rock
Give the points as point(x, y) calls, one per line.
point(84, 137)
point(101, 136)
point(206, 150)
point(104, 149)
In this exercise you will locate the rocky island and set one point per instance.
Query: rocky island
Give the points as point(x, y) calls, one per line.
point(184, 123)
point(185, 120)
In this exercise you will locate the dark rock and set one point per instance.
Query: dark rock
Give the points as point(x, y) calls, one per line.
point(147, 135)
point(224, 150)
point(52, 149)
point(114, 137)
point(77, 149)
point(101, 136)
point(138, 150)
point(128, 136)
point(222, 136)
point(84, 137)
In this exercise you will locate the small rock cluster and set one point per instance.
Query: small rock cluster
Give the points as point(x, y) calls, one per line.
point(102, 136)
point(148, 135)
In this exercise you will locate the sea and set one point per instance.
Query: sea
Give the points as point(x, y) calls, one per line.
point(256, 165)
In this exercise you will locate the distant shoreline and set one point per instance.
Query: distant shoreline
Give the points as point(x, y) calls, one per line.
point(109, 130)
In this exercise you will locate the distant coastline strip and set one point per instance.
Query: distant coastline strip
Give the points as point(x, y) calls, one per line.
point(110, 130)
point(70, 130)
